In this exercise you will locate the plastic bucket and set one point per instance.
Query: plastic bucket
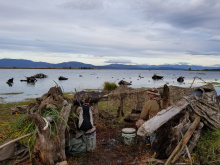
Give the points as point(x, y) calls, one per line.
point(91, 140)
point(128, 136)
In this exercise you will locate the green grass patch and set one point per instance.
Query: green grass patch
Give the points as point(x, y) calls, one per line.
point(12, 93)
point(215, 83)
point(6, 117)
point(69, 94)
point(108, 87)
point(208, 149)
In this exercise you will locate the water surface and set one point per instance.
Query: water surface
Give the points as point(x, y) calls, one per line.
point(93, 79)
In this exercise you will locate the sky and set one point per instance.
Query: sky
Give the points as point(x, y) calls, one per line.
point(102, 32)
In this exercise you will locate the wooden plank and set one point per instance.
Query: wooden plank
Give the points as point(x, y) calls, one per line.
point(162, 117)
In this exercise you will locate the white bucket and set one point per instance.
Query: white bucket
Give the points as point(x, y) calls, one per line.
point(128, 136)
point(91, 140)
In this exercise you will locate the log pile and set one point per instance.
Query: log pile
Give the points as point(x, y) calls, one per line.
point(178, 127)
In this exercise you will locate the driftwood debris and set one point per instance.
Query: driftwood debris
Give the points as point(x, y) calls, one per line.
point(156, 77)
point(122, 82)
point(176, 153)
point(186, 117)
point(40, 75)
point(49, 144)
point(180, 79)
point(10, 80)
point(31, 79)
point(166, 96)
point(62, 78)
point(19, 110)
point(95, 96)
point(17, 139)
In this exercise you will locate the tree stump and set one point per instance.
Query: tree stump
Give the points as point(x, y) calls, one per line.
point(50, 144)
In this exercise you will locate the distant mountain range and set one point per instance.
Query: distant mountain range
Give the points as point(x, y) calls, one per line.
point(73, 64)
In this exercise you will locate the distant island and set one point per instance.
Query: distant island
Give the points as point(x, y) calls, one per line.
point(28, 64)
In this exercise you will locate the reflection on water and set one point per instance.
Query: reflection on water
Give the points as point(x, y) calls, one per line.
point(94, 79)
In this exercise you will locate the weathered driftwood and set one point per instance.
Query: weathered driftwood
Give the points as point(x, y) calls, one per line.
point(50, 145)
point(40, 75)
point(162, 117)
point(17, 139)
point(156, 77)
point(122, 82)
point(150, 161)
point(120, 108)
point(195, 137)
point(19, 110)
point(95, 96)
point(166, 96)
point(10, 80)
point(62, 78)
point(176, 153)
point(180, 79)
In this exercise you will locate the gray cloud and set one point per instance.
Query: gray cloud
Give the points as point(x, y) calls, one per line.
point(84, 4)
point(183, 63)
point(119, 61)
point(125, 29)
point(203, 53)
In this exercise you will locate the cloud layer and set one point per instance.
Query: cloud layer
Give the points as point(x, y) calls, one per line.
point(103, 31)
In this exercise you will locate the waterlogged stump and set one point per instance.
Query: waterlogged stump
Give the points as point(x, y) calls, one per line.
point(50, 144)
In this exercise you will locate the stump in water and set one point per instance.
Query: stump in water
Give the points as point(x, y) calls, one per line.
point(50, 144)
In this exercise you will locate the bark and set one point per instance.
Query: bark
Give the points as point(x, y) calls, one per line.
point(166, 96)
point(50, 144)
point(120, 108)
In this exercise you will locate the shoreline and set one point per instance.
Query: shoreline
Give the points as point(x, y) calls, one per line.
point(103, 69)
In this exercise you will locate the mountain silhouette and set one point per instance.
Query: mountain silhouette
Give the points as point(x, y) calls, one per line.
point(73, 64)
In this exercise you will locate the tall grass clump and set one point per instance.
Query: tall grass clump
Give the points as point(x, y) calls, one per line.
point(208, 148)
point(108, 87)
point(24, 125)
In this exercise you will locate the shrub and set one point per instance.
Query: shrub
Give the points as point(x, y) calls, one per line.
point(109, 86)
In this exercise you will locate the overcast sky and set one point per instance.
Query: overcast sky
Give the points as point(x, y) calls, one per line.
point(102, 32)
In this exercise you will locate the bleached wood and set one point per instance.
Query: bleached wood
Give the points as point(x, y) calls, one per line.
point(12, 141)
point(162, 117)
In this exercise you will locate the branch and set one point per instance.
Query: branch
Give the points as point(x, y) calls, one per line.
point(12, 141)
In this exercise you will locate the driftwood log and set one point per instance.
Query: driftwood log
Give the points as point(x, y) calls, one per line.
point(49, 144)
point(166, 96)
point(162, 117)
point(178, 127)
point(95, 96)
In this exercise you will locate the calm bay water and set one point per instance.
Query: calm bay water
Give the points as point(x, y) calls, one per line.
point(93, 79)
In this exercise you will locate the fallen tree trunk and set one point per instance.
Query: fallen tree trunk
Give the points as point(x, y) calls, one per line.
point(162, 117)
